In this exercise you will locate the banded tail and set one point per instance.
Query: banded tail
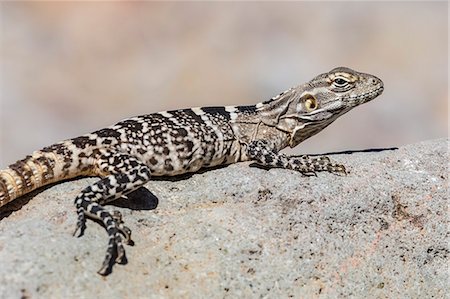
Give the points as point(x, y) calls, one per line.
point(51, 164)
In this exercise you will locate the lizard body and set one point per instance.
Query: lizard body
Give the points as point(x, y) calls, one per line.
point(127, 154)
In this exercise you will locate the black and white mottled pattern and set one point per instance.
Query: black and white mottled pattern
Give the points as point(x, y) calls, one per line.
point(262, 152)
point(126, 155)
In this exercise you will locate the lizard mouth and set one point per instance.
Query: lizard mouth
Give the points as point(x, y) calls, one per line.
point(355, 100)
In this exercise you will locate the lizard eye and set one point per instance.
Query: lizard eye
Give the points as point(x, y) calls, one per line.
point(310, 103)
point(340, 81)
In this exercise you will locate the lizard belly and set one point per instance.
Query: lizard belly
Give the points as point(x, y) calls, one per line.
point(189, 158)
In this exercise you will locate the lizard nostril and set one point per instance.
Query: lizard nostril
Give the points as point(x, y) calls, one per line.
point(373, 81)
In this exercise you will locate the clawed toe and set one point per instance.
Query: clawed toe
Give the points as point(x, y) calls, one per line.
point(339, 170)
point(114, 254)
point(120, 259)
point(80, 227)
point(106, 267)
point(125, 231)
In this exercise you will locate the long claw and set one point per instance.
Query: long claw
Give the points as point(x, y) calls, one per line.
point(106, 267)
point(80, 226)
point(125, 231)
point(120, 259)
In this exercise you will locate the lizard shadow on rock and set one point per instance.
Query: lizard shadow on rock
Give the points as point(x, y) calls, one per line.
point(19, 202)
point(139, 199)
point(349, 152)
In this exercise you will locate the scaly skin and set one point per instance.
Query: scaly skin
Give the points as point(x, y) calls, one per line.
point(127, 154)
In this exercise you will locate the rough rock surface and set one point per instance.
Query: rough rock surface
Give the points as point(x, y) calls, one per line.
point(240, 231)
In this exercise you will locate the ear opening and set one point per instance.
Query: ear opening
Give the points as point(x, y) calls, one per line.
point(307, 102)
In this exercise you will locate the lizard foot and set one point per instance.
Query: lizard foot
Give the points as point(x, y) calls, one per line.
point(115, 252)
point(81, 223)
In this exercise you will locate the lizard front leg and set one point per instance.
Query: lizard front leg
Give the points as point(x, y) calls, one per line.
point(263, 153)
point(124, 174)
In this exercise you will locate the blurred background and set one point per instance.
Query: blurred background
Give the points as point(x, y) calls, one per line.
point(71, 68)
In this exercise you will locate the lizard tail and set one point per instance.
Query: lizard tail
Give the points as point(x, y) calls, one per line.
point(34, 171)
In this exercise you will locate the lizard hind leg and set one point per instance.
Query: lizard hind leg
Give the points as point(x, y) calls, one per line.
point(124, 174)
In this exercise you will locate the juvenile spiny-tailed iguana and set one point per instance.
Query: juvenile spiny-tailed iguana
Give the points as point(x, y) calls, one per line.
point(126, 155)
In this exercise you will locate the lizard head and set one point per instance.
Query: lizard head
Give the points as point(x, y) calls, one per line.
point(305, 110)
point(339, 89)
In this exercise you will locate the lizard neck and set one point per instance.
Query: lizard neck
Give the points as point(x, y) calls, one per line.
point(250, 123)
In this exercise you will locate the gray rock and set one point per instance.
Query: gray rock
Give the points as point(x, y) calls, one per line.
point(240, 231)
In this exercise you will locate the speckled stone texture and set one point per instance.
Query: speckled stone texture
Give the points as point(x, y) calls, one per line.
point(240, 231)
